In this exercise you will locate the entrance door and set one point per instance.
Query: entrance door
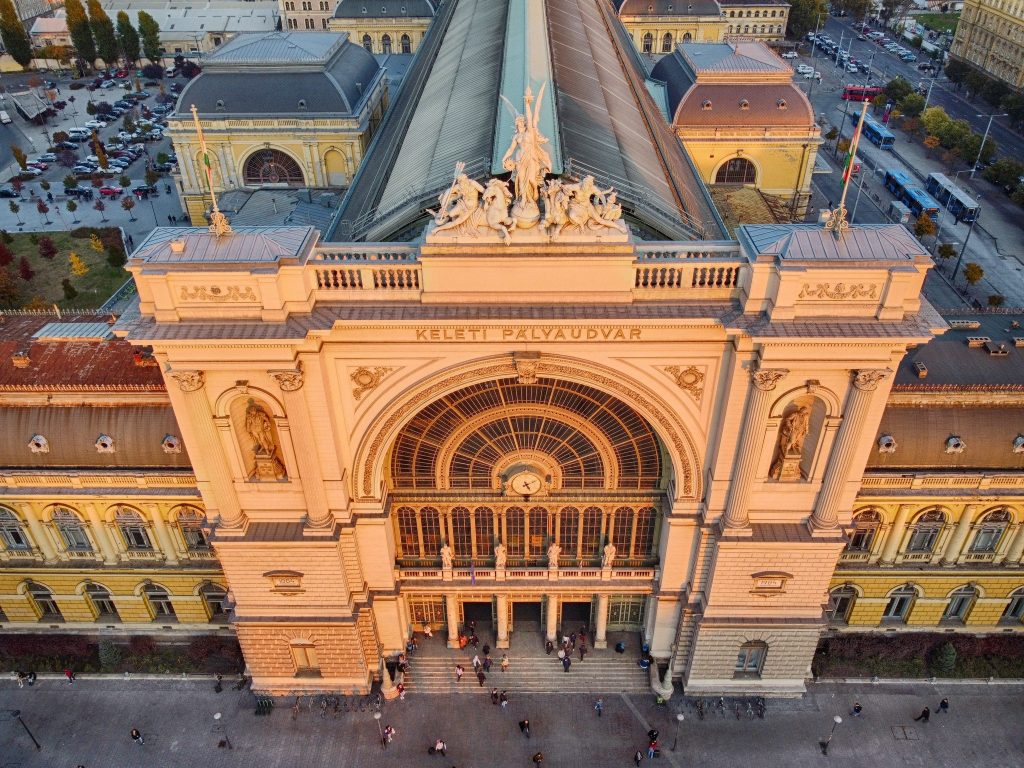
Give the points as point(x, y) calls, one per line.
point(526, 617)
point(574, 616)
point(480, 612)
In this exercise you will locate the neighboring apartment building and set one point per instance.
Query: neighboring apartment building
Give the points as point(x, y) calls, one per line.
point(758, 19)
point(990, 37)
point(741, 118)
point(284, 109)
point(657, 26)
point(307, 15)
point(391, 26)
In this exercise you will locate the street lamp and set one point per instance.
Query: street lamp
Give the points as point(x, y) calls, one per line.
point(835, 724)
point(679, 721)
point(15, 714)
point(226, 741)
point(380, 731)
point(963, 247)
point(984, 139)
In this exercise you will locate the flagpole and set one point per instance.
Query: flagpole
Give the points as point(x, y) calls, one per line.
point(218, 221)
point(837, 222)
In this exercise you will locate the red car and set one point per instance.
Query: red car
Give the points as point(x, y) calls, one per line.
point(37, 164)
point(110, 191)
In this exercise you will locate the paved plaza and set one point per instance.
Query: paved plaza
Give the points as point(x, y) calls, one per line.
point(89, 723)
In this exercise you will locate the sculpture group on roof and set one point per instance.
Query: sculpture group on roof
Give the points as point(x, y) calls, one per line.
point(471, 210)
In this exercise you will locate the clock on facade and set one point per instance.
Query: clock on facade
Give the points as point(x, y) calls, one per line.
point(526, 483)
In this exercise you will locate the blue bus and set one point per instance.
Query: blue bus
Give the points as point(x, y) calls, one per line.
point(957, 202)
point(878, 134)
point(910, 194)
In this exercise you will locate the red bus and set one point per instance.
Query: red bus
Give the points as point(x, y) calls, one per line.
point(860, 92)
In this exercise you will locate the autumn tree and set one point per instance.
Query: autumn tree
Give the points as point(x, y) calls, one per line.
point(78, 266)
point(931, 143)
point(26, 272)
point(79, 30)
point(72, 206)
point(99, 206)
point(973, 273)
point(10, 294)
point(13, 34)
point(19, 156)
point(6, 257)
point(128, 203)
point(47, 248)
point(95, 243)
point(102, 32)
point(44, 210)
point(924, 226)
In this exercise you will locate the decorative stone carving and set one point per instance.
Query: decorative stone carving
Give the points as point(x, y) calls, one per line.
point(839, 291)
point(955, 445)
point(105, 444)
point(218, 293)
point(285, 582)
point(608, 556)
point(188, 381)
point(790, 449)
point(1018, 444)
point(765, 379)
point(554, 552)
point(867, 380)
point(39, 444)
point(500, 556)
point(446, 557)
point(289, 380)
point(366, 380)
point(887, 444)
point(582, 208)
point(267, 464)
point(526, 369)
point(171, 444)
point(689, 379)
point(527, 159)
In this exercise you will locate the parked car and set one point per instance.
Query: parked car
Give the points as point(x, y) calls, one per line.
point(812, 75)
point(110, 191)
point(142, 191)
point(65, 145)
point(163, 167)
point(82, 193)
point(47, 157)
point(909, 57)
point(154, 135)
point(164, 108)
point(107, 84)
point(803, 69)
point(30, 171)
point(6, 191)
point(37, 164)
point(96, 124)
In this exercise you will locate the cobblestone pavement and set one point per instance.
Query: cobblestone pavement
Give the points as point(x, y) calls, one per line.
point(89, 724)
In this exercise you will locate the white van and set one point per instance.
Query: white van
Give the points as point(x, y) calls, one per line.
point(170, 72)
point(4, 118)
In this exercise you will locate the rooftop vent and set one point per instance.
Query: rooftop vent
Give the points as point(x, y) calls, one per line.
point(1018, 341)
point(20, 359)
point(706, 105)
point(177, 246)
point(965, 325)
point(780, 104)
point(997, 349)
point(977, 341)
point(744, 104)
point(922, 370)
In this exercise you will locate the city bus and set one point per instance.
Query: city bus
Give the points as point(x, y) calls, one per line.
point(878, 134)
point(957, 202)
point(861, 92)
point(914, 197)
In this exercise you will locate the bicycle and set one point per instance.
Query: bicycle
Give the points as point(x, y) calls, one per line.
point(700, 709)
point(295, 708)
point(750, 711)
point(721, 706)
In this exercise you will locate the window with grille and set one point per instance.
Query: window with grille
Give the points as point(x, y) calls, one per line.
point(900, 602)
point(626, 610)
point(514, 519)
point(385, 44)
point(840, 603)
point(865, 527)
point(590, 544)
point(990, 531)
point(215, 598)
point(666, 43)
point(406, 44)
point(462, 539)
point(190, 523)
point(368, 43)
point(622, 531)
point(133, 529)
point(11, 532)
point(568, 533)
point(483, 522)
point(738, 170)
point(538, 532)
point(408, 533)
point(433, 538)
point(960, 603)
point(648, 44)
point(427, 610)
point(926, 531)
point(1014, 610)
point(71, 530)
point(644, 542)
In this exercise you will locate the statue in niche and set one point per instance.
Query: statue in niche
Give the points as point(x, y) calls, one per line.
point(267, 464)
point(499, 556)
point(792, 433)
point(446, 557)
point(609, 555)
point(554, 551)
point(527, 159)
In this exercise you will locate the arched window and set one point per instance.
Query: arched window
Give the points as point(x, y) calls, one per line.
point(648, 44)
point(746, 28)
point(865, 526)
point(190, 524)
point(12, 534)
point(42, 600)
point(666, 43)
point(925, 532)
point(739, 170)
point(102, 603)
point(385, 45)
point(71, 530)
point(750, 660)
point(961, 600)
point(215, 598)
point(757, 14)
point(990, 530)
point(159, 602)
point(762, 29)
point(368, 43)
point(271, 166)
point(732, 14)
point(840, 603)
point(900, 601)
point(1014, 611)
point(406, 44)
point(134, 530)
point(687, 37)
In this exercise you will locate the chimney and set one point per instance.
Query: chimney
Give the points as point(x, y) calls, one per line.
point(21, 359)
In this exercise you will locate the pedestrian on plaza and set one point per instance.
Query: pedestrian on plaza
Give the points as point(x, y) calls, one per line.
point(503, 700)
point(504, 662)
point(487, 649)
point(472, 626)
point(389, 733)
point(572, 640)
point(524, 726)
point(652, 735)
point(459, 672)
point(69, 673)
point(943, 707)
point(440, 746)
point(170, 219)
point(638, 758)
point(481, 677)
point(31, 680)
point(857, 709)
point(21, 679)
point(218, 687)
point(401, 691)
point(582, 649)
point(599, 706)
point(494, 696)
point(476, 662)
point(136, 736)
point(652, 748)
point(925, 714)
point(566, 663)
point(565, 640)
point(549, 647)
point(583, 632)
point(538, 758)
point(487, 664)
point(428, 632)
point(474, 640)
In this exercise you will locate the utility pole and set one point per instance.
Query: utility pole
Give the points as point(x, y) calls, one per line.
point(983, 140)
point(963, 247)
point(814, 46)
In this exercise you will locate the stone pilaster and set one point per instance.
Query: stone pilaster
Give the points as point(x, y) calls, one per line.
point(826, 512)
point(601, 633)
point(107, 547)
point(1013, 555)
point(551, 624)
point(39, 534)
point(163, 535)
point(764, 381)
point(892, 541)
point(451, 610)
point(502, 621)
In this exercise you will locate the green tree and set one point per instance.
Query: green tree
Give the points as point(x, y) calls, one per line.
point(878, 103)
point(71, 292)
point(1004, 172)
point(956, 70)
point(946, 251)
point(149, 32)
point(803, 16)
point(79, 30)
point(72, 206)
point(973, 273)
point(13, 34)
point(19, 156)
point(70, 182)
point(128, 124)
point(1014, 106)
point(944, 661)
point(898, 88)
point(912, 105)
point(934, 119)
point(14, 209)
point(924, 226)
point(127, 38)
point(102, 32)
point(124, 181)
point(152, 177)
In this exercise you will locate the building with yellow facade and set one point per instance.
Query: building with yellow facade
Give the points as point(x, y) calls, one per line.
point(741, 118)
point(392, 26)
point(757, 19)
point(657, 26)
point(990, 38)
point(280, 110)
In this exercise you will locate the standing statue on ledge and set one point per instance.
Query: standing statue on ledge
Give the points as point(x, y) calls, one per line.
point(792, 433)
point(528, 160)
point(499, 556)
point(260, 429)
point(446, 557)
point(554, 551)
point(609, 555)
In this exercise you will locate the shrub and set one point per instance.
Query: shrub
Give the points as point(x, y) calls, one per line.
point(142, 645)
point(6, 257)
point(116, 257)
point(109, 652)
point(202, 648)
point(34, 238)
point(6, 236)
point(47, 248)
point(25, 271)
point(943, 660)
point(996, 300)
point(70, 291)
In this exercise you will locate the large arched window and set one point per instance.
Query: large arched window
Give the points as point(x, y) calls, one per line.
point(1014, 611)
point(989, 531)
point(925, 532)
point(739, 170)
point(961, 600)
point(901, 600)
point(385, 45)
point(840, 603)
point(133, 528)
point(71, 530)
point(215, 598)
point(190, 524)
point(865, 528)
point(687, 37)
point(271, 166)
point(405, 43)
point(159, 602)
point(12, 533)
point(43, 602)
point(666, 43)
point(368, 43)
point(648, 44)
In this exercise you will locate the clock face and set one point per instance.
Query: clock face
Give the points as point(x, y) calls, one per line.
point(526, 483)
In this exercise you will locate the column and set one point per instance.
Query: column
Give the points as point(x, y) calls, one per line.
point(1013, 554)
point(764, 381)
point(892, 542)
point(102, 535)
point(163, 535)
point(601, 635)
point(502, 621)
point(551, 623)
point(451, 610)
point(318, 515)
point(960, 534)
point(225, 505)
point(826, 511)
point(39, 534)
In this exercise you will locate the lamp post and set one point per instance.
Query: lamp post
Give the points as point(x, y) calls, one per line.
point(227, 741)
point(814, 44)
point(984, 139)
point(380, 731)
point(963, 247)
point(679, 721)
point(835, 724)
point(15, 714)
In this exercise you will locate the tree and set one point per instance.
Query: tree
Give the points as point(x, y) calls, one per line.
point(894, 9)
point(70, 182)
point(128, 124)
point(934, 120)
point(90, 108)
point(79, 30)
point(946, 251)
point(878, 103)
point(47, 248)
point(944, 661)
point(99, 206)
point(124, 181)
point(78, 267)
point(1014, 106)
point(70, 291)
point(911, 105)
point(996, 300)
point(931, 143)
point(43, 209)
point(101, 157)
point(72, 206)
point(10, 295)
point(14, 209)
point(152, 177)
point(19, 156)
point(911, 125)
point(116, 256)
point(26, 272)
point(127, 38)
point(128, 203)
point(956, 70)
point(803, 17)
point(898, 88)
point(1004, 173)
point(149, 32)
point(95, 243)
point(973, 273)
point(102, 32)
point(13, 34)
point(6, 257)
point(924, 226)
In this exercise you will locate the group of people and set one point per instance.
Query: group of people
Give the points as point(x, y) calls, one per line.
point(574, 642)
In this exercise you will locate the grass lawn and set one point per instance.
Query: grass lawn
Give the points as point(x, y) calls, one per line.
point(939, 22)
point(94, 287)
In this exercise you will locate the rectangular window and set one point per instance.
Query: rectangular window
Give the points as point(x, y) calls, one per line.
point(986, 539)
point(304, 658)
point(408, 533)
point(14, 537)
point(135, 537)
point(569, 522)
point(194, 537)
point(310, 24)
point(75, 538)
point(1014, 610)
point(462, 541)
point(897, 607)
point(626, 612)
point(591, 543)
point(861, 540)
point(622, 531)
point(923, 539)
point(644, 543)
point(514, 530)
point(538, 532)
point(483, 523)
point(750, 659)
point(432, 537)
point(161, 605)
point(326, 23)
point(428, 609)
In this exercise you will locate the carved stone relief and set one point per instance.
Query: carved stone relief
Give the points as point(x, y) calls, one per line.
point(289, 380)
point(839, 291)
point(218, 293)
point(188, 381)
point(367, 379)
point(689, 379)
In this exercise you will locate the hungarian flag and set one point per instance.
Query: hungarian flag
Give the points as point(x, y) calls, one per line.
point(852, 151)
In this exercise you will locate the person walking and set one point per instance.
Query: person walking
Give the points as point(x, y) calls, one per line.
point(538, 758)
point(599, 706)
point(566, 663)
point(389, 733)
point(487, 664)
point(476, 662)
point(503, 700)
point(69, 673)
point(504, 662)
point(31, 679)
point(582, 649)
point(494, 696)
point(137, 736)
point(572, 640)
point(459, 672)
point(487, 649)
point(440, 746)
point(549, 647)
point(652, 749)
point(857, 709)
point(925, 714)
point(638, 758)
point(481, 678)
point(524, 727)
point(943, 707)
